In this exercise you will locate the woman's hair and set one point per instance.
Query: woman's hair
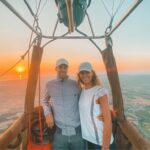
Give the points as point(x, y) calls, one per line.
point(95, 80)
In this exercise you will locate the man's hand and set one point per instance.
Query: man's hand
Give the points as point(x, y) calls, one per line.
point(112, 112)
point(113, 115)
point(50, 120)
point(100, 117)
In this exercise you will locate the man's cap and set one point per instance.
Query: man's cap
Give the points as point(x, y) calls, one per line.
point(85, 66)
point(62, 61)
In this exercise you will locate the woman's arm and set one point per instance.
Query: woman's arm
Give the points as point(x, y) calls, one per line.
point(103, 101)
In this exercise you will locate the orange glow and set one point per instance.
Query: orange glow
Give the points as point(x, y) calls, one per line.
point(20, 69)
point(48, 67)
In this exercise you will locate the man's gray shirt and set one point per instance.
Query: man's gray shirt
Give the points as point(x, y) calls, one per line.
point(62, 97)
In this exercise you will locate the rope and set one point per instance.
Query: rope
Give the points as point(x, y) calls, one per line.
point(113, 13)
point(106, 8)
point(35, 16)
point(35, 20)
point(5, 72)
point(39, 113)
point(30, 9)
point(42, 7)
point(22, 58)
point(108, 29)
point(27, 52)
point(29, 44)
point(37, 27)
point(36, 4)
point(120, 5)
point(113, 6)
point(28, 61)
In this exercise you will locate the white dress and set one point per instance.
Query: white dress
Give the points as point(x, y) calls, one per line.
point(92, 127)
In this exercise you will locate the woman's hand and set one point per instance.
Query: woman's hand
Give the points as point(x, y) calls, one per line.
point(50, 120)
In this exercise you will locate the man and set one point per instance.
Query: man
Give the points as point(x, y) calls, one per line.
point(63, 95)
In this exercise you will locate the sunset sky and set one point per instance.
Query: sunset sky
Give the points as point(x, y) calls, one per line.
point(131, 41)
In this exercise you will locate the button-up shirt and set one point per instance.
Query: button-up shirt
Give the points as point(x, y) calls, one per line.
point(62, 97)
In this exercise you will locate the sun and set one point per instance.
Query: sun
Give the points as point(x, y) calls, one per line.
point(20, 69)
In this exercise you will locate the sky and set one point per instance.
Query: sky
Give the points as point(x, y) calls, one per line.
point(131, 41)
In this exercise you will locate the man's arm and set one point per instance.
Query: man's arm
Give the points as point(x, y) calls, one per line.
point(47, 109)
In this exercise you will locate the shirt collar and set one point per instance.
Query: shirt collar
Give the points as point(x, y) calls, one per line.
point(59, 79)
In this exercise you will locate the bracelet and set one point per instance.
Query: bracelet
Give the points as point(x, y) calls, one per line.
point(105, 148)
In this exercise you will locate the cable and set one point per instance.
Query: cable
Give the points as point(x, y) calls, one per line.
point(35, 16)
point(120, 5)
point(42, 8)
point(106, 8)
point(113, 6)
point(30, 9)
point(39, 112)
point(35, 20)
point(5, 72)
point(36, 4)
point(22, 58)
point(109, 28)
point(37, 27)
point(30, 44)
point(90, 40)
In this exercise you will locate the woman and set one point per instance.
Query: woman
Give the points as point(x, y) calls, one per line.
point(93, 102)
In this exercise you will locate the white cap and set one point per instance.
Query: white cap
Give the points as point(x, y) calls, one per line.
point(62, 61)
point(85, 66)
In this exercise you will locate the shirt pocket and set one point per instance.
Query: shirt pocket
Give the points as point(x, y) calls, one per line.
point(56, 100)
point(73, 96)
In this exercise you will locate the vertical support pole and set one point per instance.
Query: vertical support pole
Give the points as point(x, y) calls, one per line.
point(32, 83)
point(33, 78)
point(111, 68)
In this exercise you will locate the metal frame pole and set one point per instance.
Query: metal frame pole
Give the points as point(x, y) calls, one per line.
point(90, 24)
point(71, 37)
point(13, 10)
point(126, 15)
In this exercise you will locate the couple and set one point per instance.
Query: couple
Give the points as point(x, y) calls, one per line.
point(74, 108)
